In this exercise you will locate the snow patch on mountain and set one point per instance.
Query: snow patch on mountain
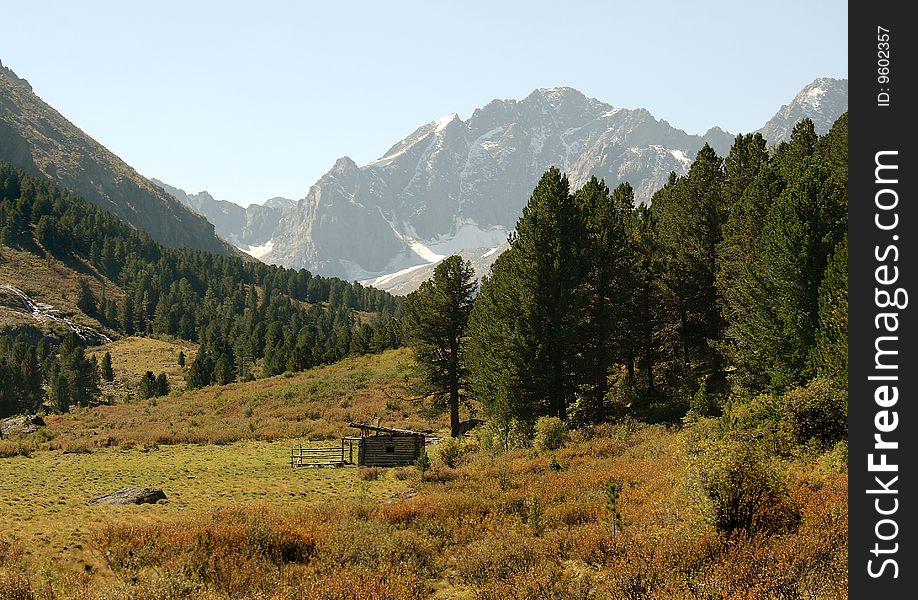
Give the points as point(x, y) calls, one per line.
point(383, 281)
point(257, 251)
point(442, 122)
point(424, 252)
point(468, 234)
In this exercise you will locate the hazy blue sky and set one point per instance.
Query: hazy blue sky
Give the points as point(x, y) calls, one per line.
point(257, 99)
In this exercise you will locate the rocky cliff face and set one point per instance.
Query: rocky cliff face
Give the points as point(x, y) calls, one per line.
point(454, 184)
point(35, 137)
point(249, 228)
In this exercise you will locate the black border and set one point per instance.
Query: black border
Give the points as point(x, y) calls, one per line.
point(874, 128)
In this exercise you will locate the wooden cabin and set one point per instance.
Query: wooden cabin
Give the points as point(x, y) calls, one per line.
point(387, 447)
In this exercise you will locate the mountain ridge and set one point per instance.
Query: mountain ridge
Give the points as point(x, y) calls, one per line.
point(441, 180)
point(455, 185)
point(776, 130)
point(37, 138)
point(452, 178)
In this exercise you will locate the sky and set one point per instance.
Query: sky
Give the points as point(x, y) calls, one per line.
point(251, 100)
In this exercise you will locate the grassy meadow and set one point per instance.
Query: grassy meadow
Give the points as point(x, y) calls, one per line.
point(615, 511)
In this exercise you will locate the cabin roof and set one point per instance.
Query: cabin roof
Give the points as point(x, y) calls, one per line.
point(389, 430)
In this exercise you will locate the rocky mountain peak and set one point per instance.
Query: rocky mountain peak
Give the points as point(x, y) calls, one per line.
point(343, 166)
point(822, 101)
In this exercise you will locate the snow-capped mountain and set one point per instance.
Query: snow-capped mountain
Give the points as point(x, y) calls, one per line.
point(458, 185)
point(822, 101)
point(454, 184)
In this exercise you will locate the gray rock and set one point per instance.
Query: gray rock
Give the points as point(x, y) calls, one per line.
point(21, 424)
point(130, 496)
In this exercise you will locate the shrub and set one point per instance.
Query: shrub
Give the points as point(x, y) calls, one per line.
point(760, 418)
point(371, 473)
point(9, 449)
point(236, 550)
point(404, 473)
point(15, 584)
point(422, 464)
point(622, 397)
point(451, 453)
point(10, 552)
point(745, 490)
point(612, 491)
point(77, 446)
point(818, 410)
point(495, 558)
point(504, 435)
point(550, 434)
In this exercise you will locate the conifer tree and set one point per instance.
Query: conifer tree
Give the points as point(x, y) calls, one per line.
point(86, 302)
point(148, 385)
point(201, 372)
point(224, 369)
point(776, 333)
point(644, 339)
point(80, 374)
point(691, 218)
point(57, 388)
point(830, 354)
point(436, 317)
point(162, 385)
point(106, 368)
point(605, 259)
point(532, 314)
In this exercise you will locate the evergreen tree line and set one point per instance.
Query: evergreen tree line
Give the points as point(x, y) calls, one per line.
point(733, 278)
point(29, 364)
point(239, 311)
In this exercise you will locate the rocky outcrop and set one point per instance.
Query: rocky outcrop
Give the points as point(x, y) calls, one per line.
point(21, 425)
point(126, 496)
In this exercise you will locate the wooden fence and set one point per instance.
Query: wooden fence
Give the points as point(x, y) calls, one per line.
point(332, 456)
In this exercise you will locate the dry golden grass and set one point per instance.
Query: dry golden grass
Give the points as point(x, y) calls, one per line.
point(241, 523)
point(133, 356)
point(316, 405)
point(518, 525)
point(43, 498)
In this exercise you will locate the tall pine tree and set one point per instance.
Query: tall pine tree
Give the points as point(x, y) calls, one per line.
point(436, 318)
point(531, 315)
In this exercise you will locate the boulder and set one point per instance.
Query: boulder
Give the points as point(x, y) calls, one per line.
point(130, 496)
point(21, 424)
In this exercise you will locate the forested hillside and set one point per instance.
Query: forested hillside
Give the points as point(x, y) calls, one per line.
point(37, 138)
point(239, 312)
